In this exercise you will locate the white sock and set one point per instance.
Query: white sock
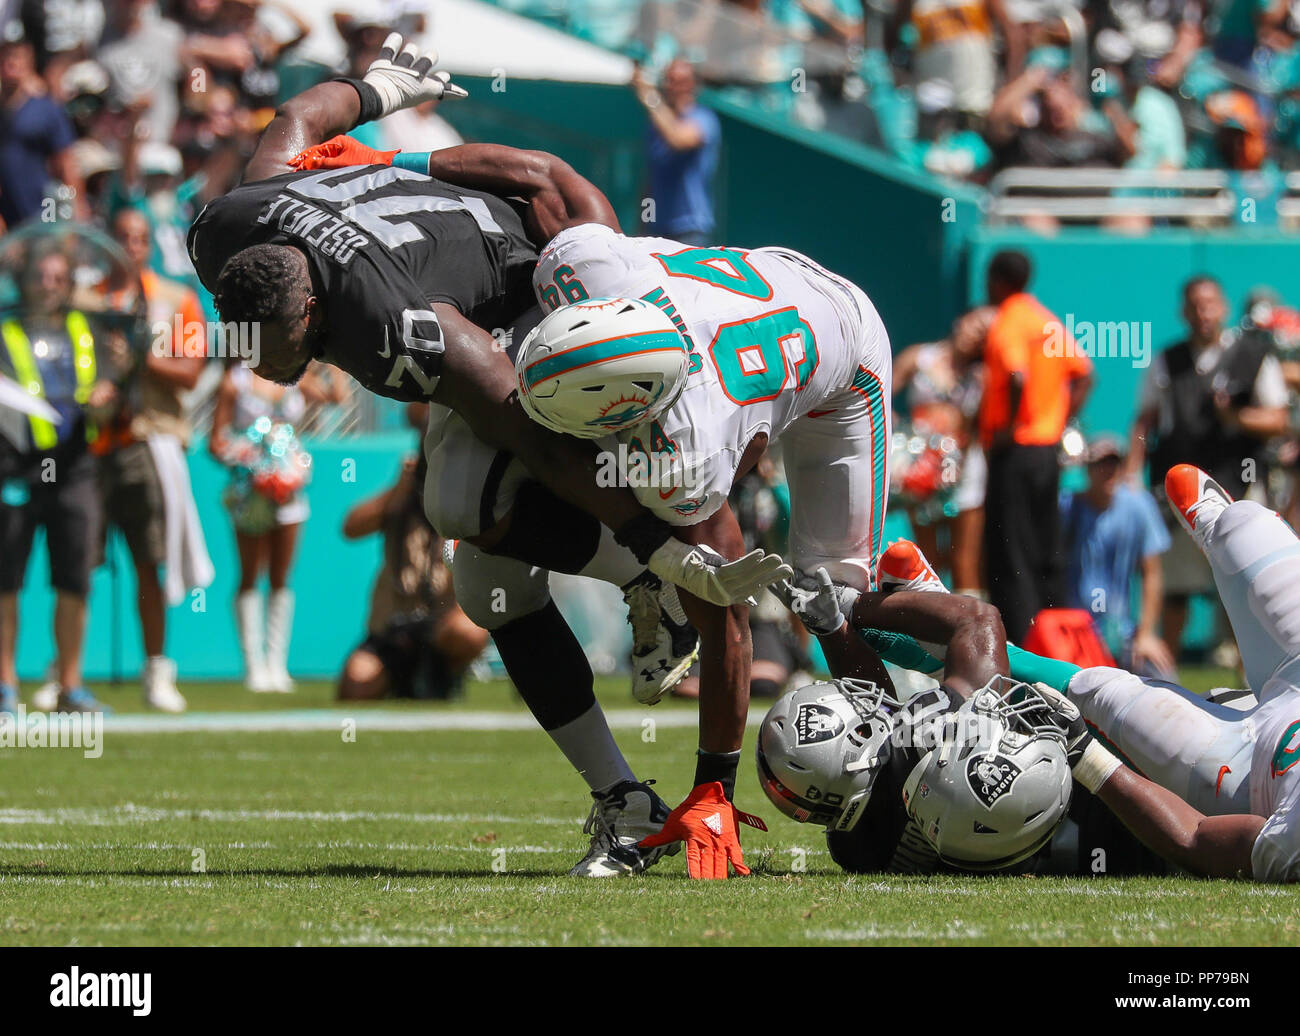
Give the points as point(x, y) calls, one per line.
point(588, 744)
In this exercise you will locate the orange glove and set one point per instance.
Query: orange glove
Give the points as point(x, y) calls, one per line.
point(706, 822)
point(338, 152)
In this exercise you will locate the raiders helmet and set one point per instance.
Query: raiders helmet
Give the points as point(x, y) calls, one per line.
point(993, 791)
point(820, 749)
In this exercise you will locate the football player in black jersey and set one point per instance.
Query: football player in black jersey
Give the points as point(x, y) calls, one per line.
point(725, 647)
point(392, 276)
point(557, 203)
point(1137, 821)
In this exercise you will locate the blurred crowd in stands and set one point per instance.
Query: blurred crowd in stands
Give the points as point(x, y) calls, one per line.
point(157, 104)
point(967, 88)
point(123, 117)
point(119, 120)
point(1012, 501)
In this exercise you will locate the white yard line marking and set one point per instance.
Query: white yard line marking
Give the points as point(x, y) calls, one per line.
point(292, 848)
point(901, 933)
point(130, 813)
point(382, 719)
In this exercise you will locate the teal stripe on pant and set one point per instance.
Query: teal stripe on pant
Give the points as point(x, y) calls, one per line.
point(874, 394)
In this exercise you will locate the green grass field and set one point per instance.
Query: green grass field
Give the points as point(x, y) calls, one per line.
point(463, 837)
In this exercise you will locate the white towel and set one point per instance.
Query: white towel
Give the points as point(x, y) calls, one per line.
point(187, 564)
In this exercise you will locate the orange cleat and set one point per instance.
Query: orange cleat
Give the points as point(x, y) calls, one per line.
point(1195, 497)
point(903, 567)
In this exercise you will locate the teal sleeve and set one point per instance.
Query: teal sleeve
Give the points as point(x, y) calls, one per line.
point(415, 161)
point(1031, 668)
point(901, 650)
point(904, 652)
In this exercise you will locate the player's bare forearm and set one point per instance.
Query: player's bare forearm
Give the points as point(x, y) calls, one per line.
point(726, 652)
point(726, 656)
point(558, 196)
point(847, 656)
point(977, 650)
point(309, 118)
point(972, 630)
point(478, 381)
point(1217, 847)
point(569, 467)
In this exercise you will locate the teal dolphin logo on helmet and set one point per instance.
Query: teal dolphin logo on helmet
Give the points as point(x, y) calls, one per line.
point(600, 366)
point(629, 412)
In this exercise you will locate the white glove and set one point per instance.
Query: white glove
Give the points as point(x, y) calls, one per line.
point(702, 571)
point(822, 609)
point(402, 78)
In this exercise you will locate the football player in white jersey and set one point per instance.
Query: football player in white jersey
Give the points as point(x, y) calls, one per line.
point(748, 347)
point(765, 343)
point(776, 347)
point(1210, 787)
point(1234, 763)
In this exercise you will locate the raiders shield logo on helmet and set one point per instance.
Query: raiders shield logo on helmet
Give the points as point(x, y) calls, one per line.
point(991, 777)
point(814, 723)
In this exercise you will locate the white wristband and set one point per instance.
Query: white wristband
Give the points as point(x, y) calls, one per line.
point(1095, 766)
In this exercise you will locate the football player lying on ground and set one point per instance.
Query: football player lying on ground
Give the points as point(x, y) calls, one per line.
point(1218, 787)
point(874, 770)
point(393, 277)
point(689, 362)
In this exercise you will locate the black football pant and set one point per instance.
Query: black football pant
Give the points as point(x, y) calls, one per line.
point(1022, 534)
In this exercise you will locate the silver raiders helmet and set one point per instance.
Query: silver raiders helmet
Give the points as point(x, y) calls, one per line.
point(995, 787)
point(820, 749)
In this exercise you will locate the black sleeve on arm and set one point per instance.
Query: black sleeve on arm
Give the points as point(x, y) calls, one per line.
point(643, 535)
point(371, 106)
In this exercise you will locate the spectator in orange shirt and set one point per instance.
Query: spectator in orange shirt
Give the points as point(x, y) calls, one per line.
point(1035, 382)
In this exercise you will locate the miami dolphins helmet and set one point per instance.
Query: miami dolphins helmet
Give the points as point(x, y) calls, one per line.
point(601, 365)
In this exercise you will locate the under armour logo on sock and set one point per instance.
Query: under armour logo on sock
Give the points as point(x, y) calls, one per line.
point(714, 823)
